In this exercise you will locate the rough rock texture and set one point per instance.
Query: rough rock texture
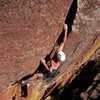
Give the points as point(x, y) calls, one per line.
point(28, 31)
point(86, 86)
point(83, 41)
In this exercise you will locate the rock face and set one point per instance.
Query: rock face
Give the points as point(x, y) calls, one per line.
point(28, 31)
point(25, 48)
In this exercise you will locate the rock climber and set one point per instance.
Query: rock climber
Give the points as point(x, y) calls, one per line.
point(54, 62)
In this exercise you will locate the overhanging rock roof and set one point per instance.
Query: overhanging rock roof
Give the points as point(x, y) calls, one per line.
point(28, 31)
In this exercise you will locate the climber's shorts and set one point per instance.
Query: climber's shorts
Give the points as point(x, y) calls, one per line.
point(52, 74)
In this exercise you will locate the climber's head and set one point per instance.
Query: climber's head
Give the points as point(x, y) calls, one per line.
point(61, 56)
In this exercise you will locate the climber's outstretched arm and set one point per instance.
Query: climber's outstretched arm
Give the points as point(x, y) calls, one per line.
point(64, 38)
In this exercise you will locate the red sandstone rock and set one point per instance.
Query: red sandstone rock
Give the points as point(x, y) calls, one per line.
point(28, 31)
point(82, 42)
